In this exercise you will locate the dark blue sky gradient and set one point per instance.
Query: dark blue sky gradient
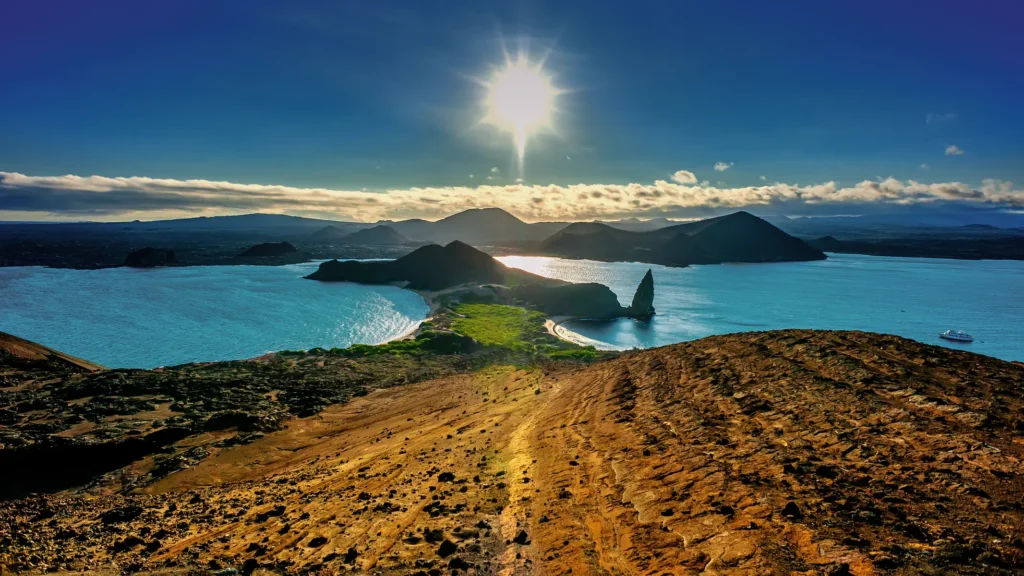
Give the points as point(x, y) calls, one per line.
point(348, 94)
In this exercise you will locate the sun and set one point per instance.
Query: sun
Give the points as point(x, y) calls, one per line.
point(520, 100)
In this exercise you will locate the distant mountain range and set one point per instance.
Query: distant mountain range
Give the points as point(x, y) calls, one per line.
point(377, 236)
point(480, 227)
point(738, 237)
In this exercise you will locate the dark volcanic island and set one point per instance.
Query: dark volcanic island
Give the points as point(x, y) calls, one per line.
point(737, 237)
point(460, 267)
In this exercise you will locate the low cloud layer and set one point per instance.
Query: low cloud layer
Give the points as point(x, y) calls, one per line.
point(103, 198)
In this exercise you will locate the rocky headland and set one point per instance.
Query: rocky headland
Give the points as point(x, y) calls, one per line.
point(458, 267)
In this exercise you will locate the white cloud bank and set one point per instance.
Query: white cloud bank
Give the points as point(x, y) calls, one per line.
point(99, 197)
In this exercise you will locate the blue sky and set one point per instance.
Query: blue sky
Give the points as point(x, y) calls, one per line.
point(379, 95)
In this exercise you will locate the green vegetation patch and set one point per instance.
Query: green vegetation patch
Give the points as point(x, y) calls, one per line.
point(510, 327)
point(428, 341)
point(582, 354)
point(502, 333)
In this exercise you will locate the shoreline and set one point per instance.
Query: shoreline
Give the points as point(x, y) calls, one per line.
point(552, 323)
point(430, 297)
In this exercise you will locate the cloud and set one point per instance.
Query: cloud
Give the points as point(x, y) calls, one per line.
point(763, 178)
point(924, 166)
point(494, 170)
point(124, 198)
point(471, 176)
point(684, 177)
point(931, 118)
point(952, 150)
point(722, 166)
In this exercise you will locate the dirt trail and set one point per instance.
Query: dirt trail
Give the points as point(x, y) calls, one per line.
point(783, 452)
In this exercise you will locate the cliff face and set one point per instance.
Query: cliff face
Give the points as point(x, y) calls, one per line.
point(643, 300)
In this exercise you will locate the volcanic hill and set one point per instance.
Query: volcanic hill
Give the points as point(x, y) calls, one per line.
point(378, 235)
point(737, 237)
point(269, 250)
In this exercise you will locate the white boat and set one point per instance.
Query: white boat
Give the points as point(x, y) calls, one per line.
point(956, 335)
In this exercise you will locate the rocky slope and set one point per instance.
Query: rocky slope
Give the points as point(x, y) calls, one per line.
point(791, 452)
point(66, 422)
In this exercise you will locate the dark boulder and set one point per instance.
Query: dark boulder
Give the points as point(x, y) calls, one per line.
point(643, 300)
point(446, 549)
point(242, 421)
point(150, 258)
point(118, 515)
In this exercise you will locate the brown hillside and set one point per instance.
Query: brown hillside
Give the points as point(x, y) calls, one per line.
point(16, 351)
point(804, 452)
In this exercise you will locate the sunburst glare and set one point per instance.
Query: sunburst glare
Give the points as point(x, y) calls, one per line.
point(520, 100)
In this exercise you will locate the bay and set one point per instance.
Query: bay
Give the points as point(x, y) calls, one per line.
point(911, 297)
point(136, 318)
point(143, 318)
